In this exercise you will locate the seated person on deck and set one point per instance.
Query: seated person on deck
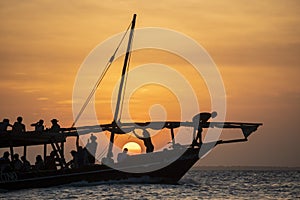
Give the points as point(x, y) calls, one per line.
point(26, 164)
point(18, 127)
point(39, 163)
point(3, 125)
point(38, 126)
point(122, 156)
point(55, 128)
point(50, 161)
point(17, 163)
point(5, 162)
point(74, 162)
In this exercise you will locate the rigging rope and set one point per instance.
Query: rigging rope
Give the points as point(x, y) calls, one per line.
point(100, 79)
point(122, 96)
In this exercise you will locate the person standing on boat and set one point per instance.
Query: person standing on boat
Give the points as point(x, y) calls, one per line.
point(18, 127)
point(146, 139)
point(3, 125)
point(39, 126)
point(91, 147)
point(82, 156)
point(55, 128)
point(201, 119)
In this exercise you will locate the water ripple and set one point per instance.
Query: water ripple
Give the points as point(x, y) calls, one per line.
point(196, 184)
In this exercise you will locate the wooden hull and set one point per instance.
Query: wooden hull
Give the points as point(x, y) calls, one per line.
point(171, 172)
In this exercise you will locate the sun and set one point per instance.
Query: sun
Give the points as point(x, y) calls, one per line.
point(133, 148)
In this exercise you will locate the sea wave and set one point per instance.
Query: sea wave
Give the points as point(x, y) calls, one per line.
point(196, 184)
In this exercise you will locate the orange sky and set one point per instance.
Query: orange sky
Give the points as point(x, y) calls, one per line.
point(255, 45)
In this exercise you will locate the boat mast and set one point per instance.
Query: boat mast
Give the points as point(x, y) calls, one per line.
point(121, 87)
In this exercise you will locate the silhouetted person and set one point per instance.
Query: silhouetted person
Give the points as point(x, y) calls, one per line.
point(3, 125)
point(55, 128)
point(122, 156)
point(74, 162)
point(39, 163)
point(201, 119)
point(82, 156)
point(50, 161)
point(5, 156)
point(5, 162)
point(91, 146)
point(38, 126)
point(146, 139)
point(26, 164)
point(18, 127)
point(17, 163)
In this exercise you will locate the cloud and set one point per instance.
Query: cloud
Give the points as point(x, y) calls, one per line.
point(65, 102)
point(42, 99)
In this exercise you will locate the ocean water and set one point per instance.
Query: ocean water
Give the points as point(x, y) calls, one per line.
point(196, 184)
